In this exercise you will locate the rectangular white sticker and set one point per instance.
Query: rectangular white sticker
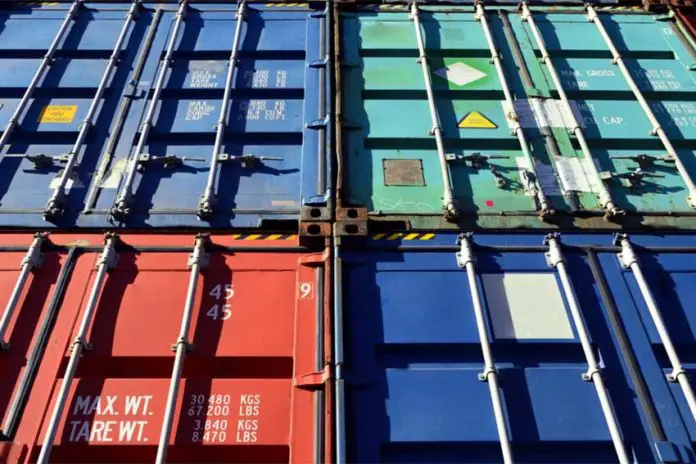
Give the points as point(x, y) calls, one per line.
point(538, 113)
point(575, 175)
point(545, 174)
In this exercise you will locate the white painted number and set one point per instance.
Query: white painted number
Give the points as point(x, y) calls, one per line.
point(218, 289)
point(306, 290)
point(219, 312)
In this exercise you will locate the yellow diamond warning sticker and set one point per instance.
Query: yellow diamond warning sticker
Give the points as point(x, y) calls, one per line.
point(476, 120)
point(60, 114)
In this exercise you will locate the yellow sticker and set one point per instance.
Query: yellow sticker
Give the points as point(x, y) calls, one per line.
point(60, 114)
point(476, 120)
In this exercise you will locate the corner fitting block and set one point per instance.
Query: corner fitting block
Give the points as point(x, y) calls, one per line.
point(351, 222)
point(315, 213)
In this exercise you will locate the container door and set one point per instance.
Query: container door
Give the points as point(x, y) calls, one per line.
point(250, 387)
point(653, 286)
point(389, 132)
point(32, 280)
point(260, 155)
point(416, 388)
point(623, 142)
point(59, 94)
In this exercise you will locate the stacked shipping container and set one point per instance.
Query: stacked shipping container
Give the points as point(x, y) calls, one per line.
point(190, 147)
point(507, 346)
point(174, 158)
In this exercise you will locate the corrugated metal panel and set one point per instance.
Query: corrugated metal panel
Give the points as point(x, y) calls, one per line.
point(491, 128)
point(441, 332)
point(147, 159)
point(93, 352)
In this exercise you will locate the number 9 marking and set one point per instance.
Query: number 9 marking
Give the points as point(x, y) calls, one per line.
point(306, 290)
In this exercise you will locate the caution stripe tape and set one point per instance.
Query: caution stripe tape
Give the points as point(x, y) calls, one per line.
point(38, 4)
point(403, 236)
point(289, 5)
point(250, 237)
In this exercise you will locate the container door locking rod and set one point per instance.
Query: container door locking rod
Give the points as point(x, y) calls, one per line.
point(629, 260)
point(340, 393)
point(30, 261)
point(197, 261)
point(555, 259)
point(605, 199)
point(43, 67)
point(209, 197)
point(56, 203)
point(538, 191)
point(107, 261)
point(657, 128)
point(465, 259)
point(122, 206)
point(448, 197)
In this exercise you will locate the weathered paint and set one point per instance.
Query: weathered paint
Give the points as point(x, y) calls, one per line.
point(391, 119)
point(278, 112)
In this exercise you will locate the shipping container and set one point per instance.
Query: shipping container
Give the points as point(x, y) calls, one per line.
point(687, 24)
point(539, 116)
point(164, 114)
point(515, 347)
point(178, 348)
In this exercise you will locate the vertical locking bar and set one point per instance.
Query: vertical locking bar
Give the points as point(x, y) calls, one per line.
point(209, 197)
point(197, 261)
point(320, 399)
point(538, 192)
point(338, 352)
point(125, 197)
point(43, 66)
point(30, 261)
point(605, 198)
point(629, 260)
point(55, 205)
point(465, 259)
point(107, 261)
point(555, 259)
point(657, 128)
point(436, 131)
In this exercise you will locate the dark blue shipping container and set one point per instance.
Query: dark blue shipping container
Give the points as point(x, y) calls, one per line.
point(515, 347)
point(164, 115)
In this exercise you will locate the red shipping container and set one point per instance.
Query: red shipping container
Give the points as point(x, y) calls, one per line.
point(688, 17)
point(114, 338)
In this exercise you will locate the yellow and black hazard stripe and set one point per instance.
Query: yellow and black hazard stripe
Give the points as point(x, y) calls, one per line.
point(404, 236)
point(39, 4)
point(250, 237)
point(289, 4)
point(392, 6)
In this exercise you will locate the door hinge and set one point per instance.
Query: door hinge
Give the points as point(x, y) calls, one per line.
point(313, 380)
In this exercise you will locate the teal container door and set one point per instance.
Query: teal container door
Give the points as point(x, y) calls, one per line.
point(390, 160)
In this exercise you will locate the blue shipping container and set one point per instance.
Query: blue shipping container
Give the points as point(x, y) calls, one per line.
point(500, 117)
point(164, 115)
point(515, 347)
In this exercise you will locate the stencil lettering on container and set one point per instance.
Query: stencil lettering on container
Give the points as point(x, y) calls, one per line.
point(96, 428)
point(58, 114)
point(210, 415)
point(281, 79)
point(253, 110)
point(248, 422)
point(399, 204)
point(256, 78)
point(197, 110)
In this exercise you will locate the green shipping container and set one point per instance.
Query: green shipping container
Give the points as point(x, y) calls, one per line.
point(531, 117)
